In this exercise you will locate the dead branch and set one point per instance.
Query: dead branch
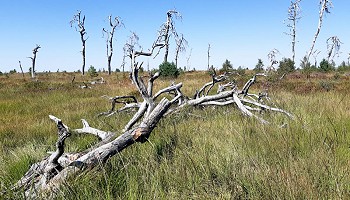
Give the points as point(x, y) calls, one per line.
point(333, 47)
point(46, 176)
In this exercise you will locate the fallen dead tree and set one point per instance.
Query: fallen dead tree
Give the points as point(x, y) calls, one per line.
point(46, 176)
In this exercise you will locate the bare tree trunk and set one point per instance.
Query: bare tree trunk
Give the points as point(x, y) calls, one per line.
point(325, 5)
point(293, 17)
point(20, 66)
point(181, 44)
point(83, 54)
point(110, 34)
point(166, 37)
point(80, 23)
point(208, 56)
point(35, 51)
point(167, 29)
point(333, 46)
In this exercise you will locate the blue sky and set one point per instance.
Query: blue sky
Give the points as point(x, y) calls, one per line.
point(240, 31)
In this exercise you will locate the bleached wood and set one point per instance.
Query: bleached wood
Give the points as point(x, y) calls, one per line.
point(87, 129)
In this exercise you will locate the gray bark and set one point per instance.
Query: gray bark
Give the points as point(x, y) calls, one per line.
point(46, 176)
point(35, 51)
point(80, 24)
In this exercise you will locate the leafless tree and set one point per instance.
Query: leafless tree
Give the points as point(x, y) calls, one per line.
point(333, 47)
point(79, 22)
point(188, 59)
point(294, 14)
point(325, 6)
point(166, 31)
point(272, 58)
point(46, 176)
point(181, 44)
point(20, 66)
point(315, 54)
point(208, 52)
point(131, 45)
point(35, 51)
point(116, 22)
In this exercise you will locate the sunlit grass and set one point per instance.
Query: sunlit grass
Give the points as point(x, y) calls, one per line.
point(200, 153)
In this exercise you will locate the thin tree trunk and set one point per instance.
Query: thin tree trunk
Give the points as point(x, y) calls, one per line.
point(324, 7)
point(83, 54)
point(20, 66)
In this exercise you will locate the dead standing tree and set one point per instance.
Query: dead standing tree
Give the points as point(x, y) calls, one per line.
point(294, 13)
point(333, 47)
point(208, 52)
point(272, 58)
point(325, 6)
point(20, 66)
point(166, 31)
point(80, 27)
point(44, 178)
point(35, 51)
point(181, 44)
point(109, 39)
point(315, 54)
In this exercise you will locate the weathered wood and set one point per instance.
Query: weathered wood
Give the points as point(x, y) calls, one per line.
point(80, 24)
point(109, 39)
point(47, 175)
point(35, 51)
point(87, 129)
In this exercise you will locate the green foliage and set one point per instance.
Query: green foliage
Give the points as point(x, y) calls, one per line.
point(343, 67)
point(286, 65)
point(226, 66)
point(169, 70)
point(259, 67)
point(13, 71)
point(92, 72)
point(305, 65)
point(326, 66)
point(241, 70)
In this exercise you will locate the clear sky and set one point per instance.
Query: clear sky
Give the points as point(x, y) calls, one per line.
point(240, 31)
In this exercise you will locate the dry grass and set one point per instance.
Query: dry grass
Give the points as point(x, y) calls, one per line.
point(210, 153)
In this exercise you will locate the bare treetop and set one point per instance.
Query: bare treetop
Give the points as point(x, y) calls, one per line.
point(294, 14)
point(167, 30)
point(272, 58)
point(333, 47)
point(116, 22)
point(80, 22)
point(326, 5)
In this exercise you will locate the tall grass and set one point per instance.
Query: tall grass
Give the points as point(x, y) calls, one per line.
point(200, 153)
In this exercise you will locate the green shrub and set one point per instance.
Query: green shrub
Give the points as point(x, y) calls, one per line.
point(326, 66)
point(92, 72)
point(169, 70)
point(286, 66)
